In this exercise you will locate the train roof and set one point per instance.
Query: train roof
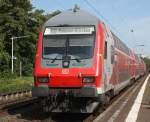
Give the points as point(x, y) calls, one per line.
point(71, 17)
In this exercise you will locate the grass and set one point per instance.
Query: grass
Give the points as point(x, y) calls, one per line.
point(9, 85)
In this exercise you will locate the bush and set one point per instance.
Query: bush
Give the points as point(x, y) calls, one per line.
point(7, 74)
point(15, 84)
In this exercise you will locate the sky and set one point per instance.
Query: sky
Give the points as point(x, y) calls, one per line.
point(121, 16)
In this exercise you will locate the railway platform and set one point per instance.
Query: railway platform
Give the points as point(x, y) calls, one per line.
point(144, 112)
point(132, 106)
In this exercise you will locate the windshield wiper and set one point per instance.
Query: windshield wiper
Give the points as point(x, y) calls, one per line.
point(54, 59)
point(77, 60)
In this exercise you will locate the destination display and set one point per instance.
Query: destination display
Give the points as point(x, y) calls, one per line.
point(68, 30)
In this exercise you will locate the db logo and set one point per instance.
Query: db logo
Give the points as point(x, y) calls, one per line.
point(65, 71)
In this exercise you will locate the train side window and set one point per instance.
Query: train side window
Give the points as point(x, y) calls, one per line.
point(112, 54)
point(105, 50)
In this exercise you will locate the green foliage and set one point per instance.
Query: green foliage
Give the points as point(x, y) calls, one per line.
point(147, 62)
point(6, 74)
point(15, 84)
point(17, 18)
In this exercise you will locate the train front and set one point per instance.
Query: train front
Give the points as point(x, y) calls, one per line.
point(67, 69)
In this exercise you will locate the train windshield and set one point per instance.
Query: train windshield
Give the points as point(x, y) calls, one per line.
point(77, 44)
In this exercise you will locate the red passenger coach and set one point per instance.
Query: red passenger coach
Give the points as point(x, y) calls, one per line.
point(80, 63)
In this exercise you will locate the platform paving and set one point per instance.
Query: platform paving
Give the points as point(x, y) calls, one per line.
point(125, 109)
point(144, 113)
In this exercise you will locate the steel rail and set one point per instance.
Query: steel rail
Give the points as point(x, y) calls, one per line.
point(13, 98)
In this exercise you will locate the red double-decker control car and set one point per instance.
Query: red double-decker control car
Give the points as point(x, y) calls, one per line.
point(80, 63)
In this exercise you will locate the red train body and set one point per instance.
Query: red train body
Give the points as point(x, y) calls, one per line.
point(81, 63)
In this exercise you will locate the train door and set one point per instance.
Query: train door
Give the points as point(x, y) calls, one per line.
point(108, 50)
point(116, 68)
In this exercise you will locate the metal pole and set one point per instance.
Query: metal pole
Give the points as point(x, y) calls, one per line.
point(12, 56)
point(133, 36)
point(12, 53)
point(20, 68)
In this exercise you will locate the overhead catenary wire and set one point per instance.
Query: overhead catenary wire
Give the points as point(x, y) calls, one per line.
point(130, 30)
point(60, 4)
point(97, 12)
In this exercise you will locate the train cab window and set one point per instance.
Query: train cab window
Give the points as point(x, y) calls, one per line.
point(74, 45)
point(105, 50)
point(79, 46)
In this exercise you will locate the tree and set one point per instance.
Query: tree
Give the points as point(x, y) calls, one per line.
point(14, 22)
point(147, 62)
point(17, 18)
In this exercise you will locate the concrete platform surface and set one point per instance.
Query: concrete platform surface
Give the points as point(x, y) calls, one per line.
point(132, 106)
point(144, 113)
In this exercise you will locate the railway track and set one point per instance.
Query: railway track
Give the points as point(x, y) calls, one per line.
point(14, 98)
point(14, 101)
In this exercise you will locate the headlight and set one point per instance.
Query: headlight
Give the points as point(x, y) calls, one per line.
point(43, 79)
point(88, 79)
